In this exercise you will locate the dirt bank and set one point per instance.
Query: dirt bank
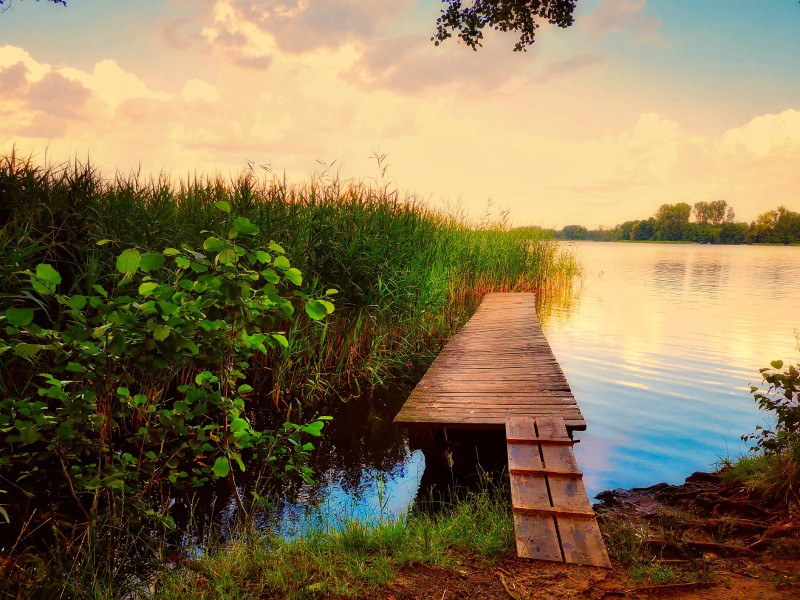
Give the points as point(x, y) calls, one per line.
point(703, 539)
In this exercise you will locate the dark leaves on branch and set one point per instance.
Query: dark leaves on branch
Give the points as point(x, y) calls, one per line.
point(521, 16)
point(6, 4)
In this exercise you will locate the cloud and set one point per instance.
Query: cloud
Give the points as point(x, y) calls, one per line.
point(615, 16)
point(249, 32)
point(302, 25)
point(178, 33)
point(13, 78)
point(45, 126)
point(410, 64)
point(767, 135)
point(198, 90)
point(573, 64)
point(58, 96)
point(112, 84)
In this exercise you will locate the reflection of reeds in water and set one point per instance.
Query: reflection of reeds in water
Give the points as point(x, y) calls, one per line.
point(407, 275)
point(558, 296)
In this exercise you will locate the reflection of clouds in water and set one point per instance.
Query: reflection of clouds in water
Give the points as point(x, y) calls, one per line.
point(382, 495)
point(660, 351)
point(594, 455)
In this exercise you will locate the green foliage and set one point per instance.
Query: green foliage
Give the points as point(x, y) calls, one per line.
point(406, 275)
point(141, 384)
point(782, 400)
point(357, 560)
point(772, 468)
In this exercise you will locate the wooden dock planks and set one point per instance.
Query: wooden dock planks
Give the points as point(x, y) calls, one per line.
point(498, 365)
point(553, 518)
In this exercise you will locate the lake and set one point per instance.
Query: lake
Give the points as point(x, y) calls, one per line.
point(659, 343)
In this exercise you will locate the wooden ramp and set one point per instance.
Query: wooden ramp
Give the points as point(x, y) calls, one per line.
point(499, 365)
point(553, 518)
point(499, 372)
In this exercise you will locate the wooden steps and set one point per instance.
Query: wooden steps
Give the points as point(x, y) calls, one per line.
point(553, 518)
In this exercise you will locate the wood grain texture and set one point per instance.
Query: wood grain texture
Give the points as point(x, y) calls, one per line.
point(546, 486)
point(498, 365)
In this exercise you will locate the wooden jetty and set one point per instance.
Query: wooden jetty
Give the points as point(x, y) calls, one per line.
point(499, 372)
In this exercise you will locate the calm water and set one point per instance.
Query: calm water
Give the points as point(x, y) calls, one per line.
point(659, 343)
point(660, 348)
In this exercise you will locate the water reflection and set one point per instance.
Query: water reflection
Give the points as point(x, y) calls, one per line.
point(659, 344)
point(661, 350)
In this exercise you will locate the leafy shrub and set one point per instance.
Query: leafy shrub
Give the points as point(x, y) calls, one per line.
point(111, 396)
point(782, 399)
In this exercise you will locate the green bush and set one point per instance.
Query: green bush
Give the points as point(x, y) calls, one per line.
point(782, 400)
point(111, 396)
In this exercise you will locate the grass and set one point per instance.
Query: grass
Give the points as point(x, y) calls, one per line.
point(356, 560)
point(627, 544)
point(407, 275)
point(773, 476)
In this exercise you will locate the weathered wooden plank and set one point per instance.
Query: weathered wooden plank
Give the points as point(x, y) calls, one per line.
point(581, 540)
point(536, 534)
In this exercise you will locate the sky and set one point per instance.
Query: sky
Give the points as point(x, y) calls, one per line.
point(639, 103)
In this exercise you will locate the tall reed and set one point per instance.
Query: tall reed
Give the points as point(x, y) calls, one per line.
point(407, 274)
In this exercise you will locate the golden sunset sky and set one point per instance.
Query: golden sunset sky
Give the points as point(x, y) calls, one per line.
point(639, 103)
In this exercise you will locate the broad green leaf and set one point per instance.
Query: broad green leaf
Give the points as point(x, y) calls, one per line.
point(74, 367)
point(123, 391)
point(182, 262)
point(171, 252)
point(76, 302)
point(243, 225)
point(152, 261)
point(294, 276)
point(316, 310)
point(238, 424)
point(213, 244)
point(19, 317)
point(129, 261)
point(245, 389)
point(281, 339)
point(328, 305)
point(270, 276)
point(276, 248)
point(223, 206)
point(777, 364)
point(281, 262)
point(46, 279)
point(100, 290)
point(102, 242)
point(331, 292)
point(222, 466)
point(29, 435)
point(147, 288)
point(263, 257)
point(227, 256)
point(314, 428)
point(161, 332)
point(168, 308)
point(24, 350)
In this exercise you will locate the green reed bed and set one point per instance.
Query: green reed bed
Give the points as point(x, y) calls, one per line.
point(407, 275)
point(154, 341)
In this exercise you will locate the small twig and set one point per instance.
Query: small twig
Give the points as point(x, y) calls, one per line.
point(505, 586)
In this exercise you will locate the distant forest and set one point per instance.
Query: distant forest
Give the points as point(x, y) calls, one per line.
point(705, 223)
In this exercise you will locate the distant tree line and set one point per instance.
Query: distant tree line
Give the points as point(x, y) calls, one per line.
point(705, 223)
